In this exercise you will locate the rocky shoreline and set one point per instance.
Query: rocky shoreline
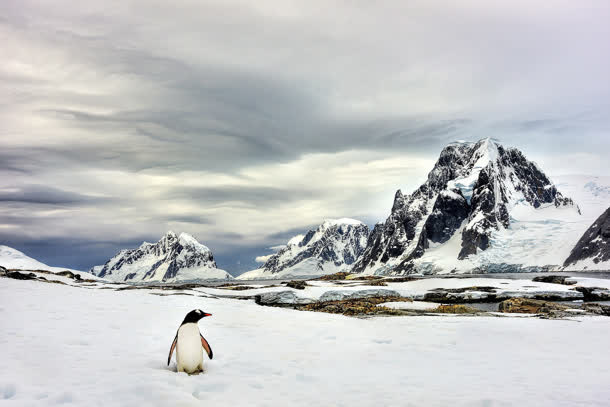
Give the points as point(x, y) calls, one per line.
point(551, 296)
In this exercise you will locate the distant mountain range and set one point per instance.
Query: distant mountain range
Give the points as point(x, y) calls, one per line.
point(173, 258)
point(332, 247)
point(483, 208)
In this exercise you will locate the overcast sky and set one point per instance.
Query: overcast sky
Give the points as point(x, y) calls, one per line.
point(246, 122)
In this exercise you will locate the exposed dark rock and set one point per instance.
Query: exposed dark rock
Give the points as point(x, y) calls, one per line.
point(337, 243)
point(489, 294)
point(401, 279)
point(337, 276)
point(297, 284)
point(435, 211)
point(455, 309)
point(354, 307)
point(20, 276)
point(69, 274)
point(449, 211)
point(594, 243)
point(554, 280)
point(236, 287)
point(484, 289)
point(281, 298)
point(594, 293)
point(485, 216)
point(130, 276)
point(529, 306)
point(377, 283)
point(367, 278)
point(599, 309)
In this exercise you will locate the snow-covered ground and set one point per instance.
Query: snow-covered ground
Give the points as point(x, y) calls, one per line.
point(92, 347)
point(14, 259)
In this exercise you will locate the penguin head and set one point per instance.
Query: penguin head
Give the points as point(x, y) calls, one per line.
point(195, 315)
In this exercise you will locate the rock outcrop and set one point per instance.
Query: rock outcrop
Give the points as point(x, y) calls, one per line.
point(592, 252)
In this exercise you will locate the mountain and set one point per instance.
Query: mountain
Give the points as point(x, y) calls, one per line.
point(173, 258)
point(483, 207)
point(592, 252)
point(332, 247)
point(14, 259)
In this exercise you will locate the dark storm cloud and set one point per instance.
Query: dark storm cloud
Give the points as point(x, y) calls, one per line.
point(42, 194)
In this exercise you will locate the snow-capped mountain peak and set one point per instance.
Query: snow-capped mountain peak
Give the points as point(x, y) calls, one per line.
point(472, 192)
point(172, 258)
point(333, 246)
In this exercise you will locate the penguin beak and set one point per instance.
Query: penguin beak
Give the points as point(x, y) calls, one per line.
point(205, 314)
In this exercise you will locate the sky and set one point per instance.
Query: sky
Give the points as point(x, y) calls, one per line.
point(244, 123)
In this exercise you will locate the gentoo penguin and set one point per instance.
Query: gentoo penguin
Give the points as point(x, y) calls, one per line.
point(189, 344)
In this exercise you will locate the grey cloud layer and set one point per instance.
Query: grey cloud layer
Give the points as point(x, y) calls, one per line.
point(243, 122)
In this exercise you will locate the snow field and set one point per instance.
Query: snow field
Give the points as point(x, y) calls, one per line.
point(73, 346)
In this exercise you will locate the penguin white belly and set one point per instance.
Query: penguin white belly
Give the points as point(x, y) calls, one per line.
point(189, 352)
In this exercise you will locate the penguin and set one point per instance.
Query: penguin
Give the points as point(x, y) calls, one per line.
point(189, 344)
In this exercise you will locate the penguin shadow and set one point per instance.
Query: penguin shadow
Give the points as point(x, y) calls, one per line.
point(174, 369)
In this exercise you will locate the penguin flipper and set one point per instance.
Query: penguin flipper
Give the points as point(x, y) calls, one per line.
point(171, 350)
point(207, 347)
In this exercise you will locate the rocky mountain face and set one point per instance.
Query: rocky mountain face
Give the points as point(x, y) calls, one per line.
point(470, 192)
point(173, 258)
point(592, 252)
point(332, 247)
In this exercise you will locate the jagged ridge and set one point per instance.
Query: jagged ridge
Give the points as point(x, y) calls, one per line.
point(172, 258)
point(334, 246)
point(475, 184)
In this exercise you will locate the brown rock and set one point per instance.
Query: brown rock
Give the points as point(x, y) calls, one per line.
point(455, 309)
point(337, 276)
point(529, 306)
point(297, 284)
